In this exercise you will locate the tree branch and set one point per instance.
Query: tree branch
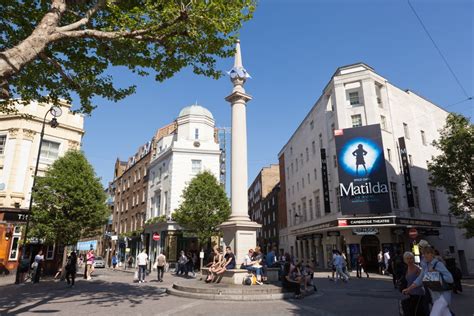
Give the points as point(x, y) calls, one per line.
point(84, 20)
point(59, 68)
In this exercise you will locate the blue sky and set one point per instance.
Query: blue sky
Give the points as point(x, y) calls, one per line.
point(291, 48)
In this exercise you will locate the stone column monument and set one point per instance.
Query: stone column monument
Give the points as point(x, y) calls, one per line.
point(239, 231)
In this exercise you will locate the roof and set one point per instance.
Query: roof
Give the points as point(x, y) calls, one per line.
point(195, 110)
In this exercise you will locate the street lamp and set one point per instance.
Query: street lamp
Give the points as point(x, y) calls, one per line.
point(55, 112)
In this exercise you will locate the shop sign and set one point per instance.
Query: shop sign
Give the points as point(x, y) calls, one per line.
point(361, 231)
point(398, 231)
point(333, 233)
point(325, 181)
point(406, 172)
point(15, 217)
point(366, 221)
point(363, 184)
point(114, 237)
point(417, 222)
point(431, 232)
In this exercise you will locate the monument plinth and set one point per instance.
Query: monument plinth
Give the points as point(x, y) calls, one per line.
point(239, 231)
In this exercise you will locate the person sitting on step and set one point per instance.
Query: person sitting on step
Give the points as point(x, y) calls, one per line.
point(229, 262)
point(217, 265)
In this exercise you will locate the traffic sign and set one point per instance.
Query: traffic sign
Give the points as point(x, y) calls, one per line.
point(156, 237)
point(413, 233)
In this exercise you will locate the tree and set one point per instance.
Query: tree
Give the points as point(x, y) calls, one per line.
point(204, 207)
point(69, 201)
point(51, 49)
point(453, 169)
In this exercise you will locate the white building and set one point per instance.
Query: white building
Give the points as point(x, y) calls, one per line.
point(357, 96)
point(192, 148)
point(19, 145)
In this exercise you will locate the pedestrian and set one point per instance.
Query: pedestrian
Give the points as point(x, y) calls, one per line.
point(270, 258)
point(380, 262)
point(386, 261)
point(455, 271)
point(142, 261)
point(38, 266)
point(398, 268)
point(339, 264)
point(114, 261)
point(160, 264)
point(71, 268)
point(182, 261)
point(361, 266)
point(90, 257)
point(130, 261)
point(441, 297)
point(416, 304)
point(190, 265)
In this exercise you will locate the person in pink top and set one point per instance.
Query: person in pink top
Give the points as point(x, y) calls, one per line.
point(90, 263)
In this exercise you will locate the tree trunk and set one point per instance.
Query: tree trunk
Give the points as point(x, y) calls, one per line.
point(14, 59)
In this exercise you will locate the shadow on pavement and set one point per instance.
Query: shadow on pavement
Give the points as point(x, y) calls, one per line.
point(16, 299)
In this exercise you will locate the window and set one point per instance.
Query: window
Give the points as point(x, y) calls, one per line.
point(315, 174)
point(394, 193)
point(423, 137)
point(311, 215)
point(309, 179)
point(301, 159)
point(296, 163)
point(292, 169)
point(335, 160)
point(302, 183)
point(416, 197)
point(317, 204)
point(3, 140)
point(196, 166)
point(434, 201)
point(305, 215)
point(291, 150)
point(16, 235)
point(356, 120)
point(49, 150)
point(410, 160)
point(307, 154)
point(405, 131)
point(313, 146)
point(354, 98)
point(389, 154)
point(311, 125)
point(383, 122)
point(288, 173)
point(50, 252)
point(338, 199)
point(320, 141)
point(196, 133)
point(297, 187)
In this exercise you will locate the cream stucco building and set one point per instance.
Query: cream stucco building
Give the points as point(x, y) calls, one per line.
point(19, 144)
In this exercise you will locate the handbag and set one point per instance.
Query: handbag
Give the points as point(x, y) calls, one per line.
point(434, 281)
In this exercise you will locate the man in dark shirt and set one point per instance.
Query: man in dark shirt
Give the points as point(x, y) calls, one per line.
point(229, 259)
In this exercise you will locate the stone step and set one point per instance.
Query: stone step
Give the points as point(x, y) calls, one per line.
point(215, 289)
point(230, 297)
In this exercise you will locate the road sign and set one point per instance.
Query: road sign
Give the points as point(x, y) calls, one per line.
point(413, 233)
point(156, 237)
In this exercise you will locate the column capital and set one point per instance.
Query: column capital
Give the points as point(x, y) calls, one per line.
point(236, 95)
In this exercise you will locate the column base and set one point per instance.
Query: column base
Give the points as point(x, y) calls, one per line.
point(240, 235)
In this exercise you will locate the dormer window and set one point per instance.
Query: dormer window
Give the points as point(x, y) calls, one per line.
point(196, 133)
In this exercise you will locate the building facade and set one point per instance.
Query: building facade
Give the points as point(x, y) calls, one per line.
point(355, 97)
point(19, 145)
point(192, 147)
point(263, 205)
point(130, 194)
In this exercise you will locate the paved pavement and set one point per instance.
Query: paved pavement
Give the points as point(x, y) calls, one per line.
point(114, 293)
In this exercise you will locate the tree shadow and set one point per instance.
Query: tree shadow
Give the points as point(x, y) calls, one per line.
point(98, 293)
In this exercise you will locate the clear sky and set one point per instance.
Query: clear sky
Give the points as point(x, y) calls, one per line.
point(291, 48)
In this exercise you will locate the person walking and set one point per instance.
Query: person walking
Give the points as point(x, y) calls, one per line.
point(114, 261)
point(398, 268)
point(182, 261)
point(380, 262)
point(361, 266)
point(37, 266)
point(441, 298)
point(339, 264)
point(386, 261)
point(71, 268)
point(160, 264)
point(142, 260)
point(416, 304)
point(90, 257)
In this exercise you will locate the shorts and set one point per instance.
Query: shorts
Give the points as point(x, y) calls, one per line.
point(230, 266)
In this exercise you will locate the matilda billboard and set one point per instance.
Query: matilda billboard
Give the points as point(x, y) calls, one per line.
point(363, 186)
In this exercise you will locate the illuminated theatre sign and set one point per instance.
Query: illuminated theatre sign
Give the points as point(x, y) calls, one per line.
point(363, 186)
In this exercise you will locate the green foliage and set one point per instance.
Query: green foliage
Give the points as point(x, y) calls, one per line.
point(133, 233)
point(69, 201)
point(157, 219)
point(453, 169)
point(204, 207)
point(158, 37)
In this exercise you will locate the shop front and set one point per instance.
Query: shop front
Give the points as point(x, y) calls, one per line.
point(359, 235)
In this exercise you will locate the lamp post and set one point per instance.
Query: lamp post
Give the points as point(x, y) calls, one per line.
point(55, 112)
